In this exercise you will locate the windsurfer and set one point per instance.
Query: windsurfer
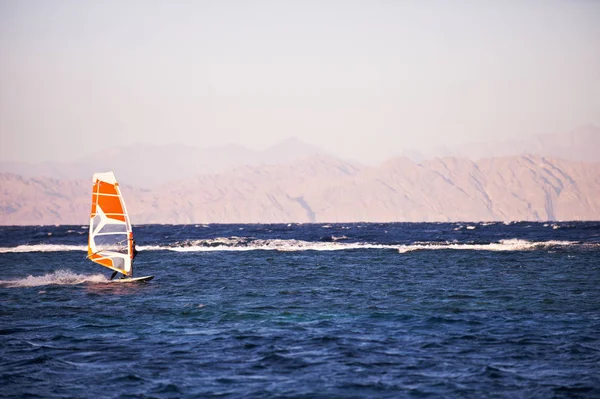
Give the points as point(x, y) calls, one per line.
point(133, 250)
point(113, 275)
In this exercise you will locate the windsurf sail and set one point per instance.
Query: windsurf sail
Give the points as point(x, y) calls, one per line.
point(110, 240)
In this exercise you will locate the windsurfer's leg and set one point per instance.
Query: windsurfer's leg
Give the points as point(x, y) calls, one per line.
point(113, 275)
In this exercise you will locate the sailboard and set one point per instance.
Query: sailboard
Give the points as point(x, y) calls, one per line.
point(110, 241)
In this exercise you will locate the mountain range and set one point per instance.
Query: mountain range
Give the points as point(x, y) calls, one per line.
point(149, 166)
point(550, 177)
point(152, 165)
point(321, 188)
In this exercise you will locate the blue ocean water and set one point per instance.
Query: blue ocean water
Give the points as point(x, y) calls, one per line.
point(309, 310)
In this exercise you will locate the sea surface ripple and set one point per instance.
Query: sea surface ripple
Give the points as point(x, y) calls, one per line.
point(309, 310)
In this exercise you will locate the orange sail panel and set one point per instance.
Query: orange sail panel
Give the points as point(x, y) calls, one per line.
point(110, 236)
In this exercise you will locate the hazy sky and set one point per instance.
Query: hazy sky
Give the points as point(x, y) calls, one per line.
point(363, 79)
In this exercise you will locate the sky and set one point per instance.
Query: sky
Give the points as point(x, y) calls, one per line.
point(361, 79)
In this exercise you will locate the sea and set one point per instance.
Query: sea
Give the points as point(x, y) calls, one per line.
point(349, 310)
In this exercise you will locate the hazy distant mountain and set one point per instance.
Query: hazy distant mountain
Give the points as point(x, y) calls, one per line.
point(148, 166)
point(326, 189)
point(581, 144)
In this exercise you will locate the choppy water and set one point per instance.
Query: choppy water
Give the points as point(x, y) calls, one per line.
point(341, 310)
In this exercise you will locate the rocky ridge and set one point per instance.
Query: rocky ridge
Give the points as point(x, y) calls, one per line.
point(326, 189)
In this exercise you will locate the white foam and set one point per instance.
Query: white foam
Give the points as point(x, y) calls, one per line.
point(336, 238)
point(234, 243)
point(59, 277)
point(248, 244)
point(43, 248)
point(245, 244)
point(504, 245)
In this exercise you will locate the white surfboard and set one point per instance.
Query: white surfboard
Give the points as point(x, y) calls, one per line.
point(133, 279)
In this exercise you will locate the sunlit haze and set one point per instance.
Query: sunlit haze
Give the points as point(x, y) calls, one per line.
point(361, 79)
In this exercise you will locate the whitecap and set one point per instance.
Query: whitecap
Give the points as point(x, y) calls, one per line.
point(59, 277)
point(252, 244)
point(503, 245)
point(336, 238)
point(43, 248)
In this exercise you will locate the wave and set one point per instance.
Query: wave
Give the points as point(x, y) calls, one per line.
point(43, 248)
point(59, 277)
point(503, 245)
point(292, 245)
point(252, 244)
